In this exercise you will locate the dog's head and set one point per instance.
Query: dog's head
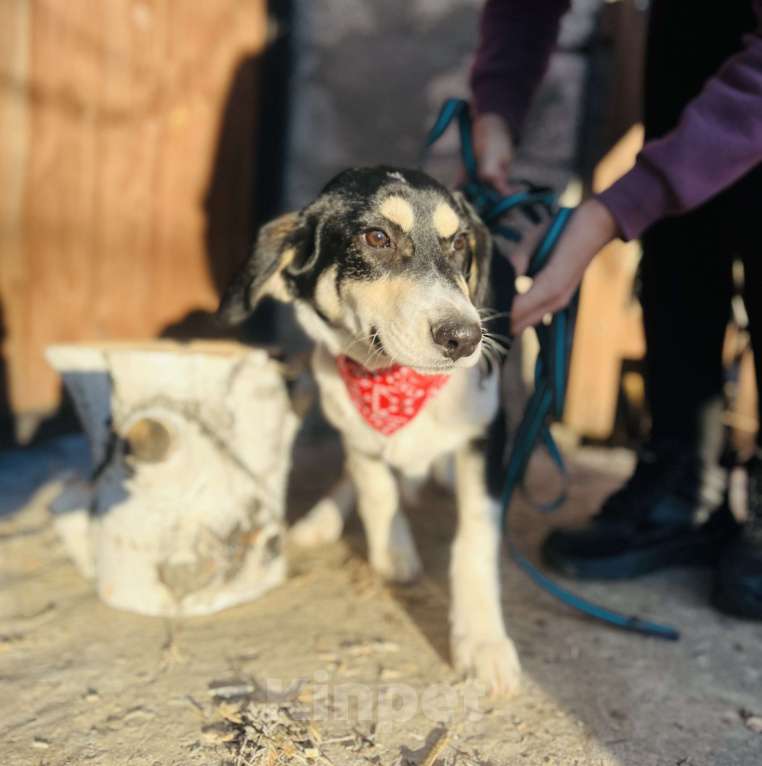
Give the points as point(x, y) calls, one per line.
point(386, 265)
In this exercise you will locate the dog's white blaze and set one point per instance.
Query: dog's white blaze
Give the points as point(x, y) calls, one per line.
point(398, 210)
point(445, 220)
point(397, 176)
point(326, 295)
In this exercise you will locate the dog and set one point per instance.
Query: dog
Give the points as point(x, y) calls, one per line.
point(389, 274)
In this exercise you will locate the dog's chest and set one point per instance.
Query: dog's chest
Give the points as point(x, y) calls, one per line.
point(459, 412)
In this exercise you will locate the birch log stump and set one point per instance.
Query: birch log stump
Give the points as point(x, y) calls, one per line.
point(191, 447)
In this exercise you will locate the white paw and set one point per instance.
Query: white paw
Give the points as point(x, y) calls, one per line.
point(494, 663)
point(398, 566)
point(323, 524)
point(392, 552)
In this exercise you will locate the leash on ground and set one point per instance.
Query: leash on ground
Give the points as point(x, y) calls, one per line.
point(551, 368)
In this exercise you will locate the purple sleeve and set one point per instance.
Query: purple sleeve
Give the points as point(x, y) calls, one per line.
point(516, 39)
point(717, 140)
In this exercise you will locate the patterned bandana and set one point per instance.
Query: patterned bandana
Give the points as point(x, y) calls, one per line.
point(390, 398)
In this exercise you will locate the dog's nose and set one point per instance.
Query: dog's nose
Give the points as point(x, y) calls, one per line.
point(456, 338)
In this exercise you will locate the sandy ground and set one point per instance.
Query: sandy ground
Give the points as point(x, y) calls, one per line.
point(84, 684)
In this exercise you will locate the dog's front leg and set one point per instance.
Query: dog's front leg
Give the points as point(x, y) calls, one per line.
point(324, 522)
point(391, 549)
point(480, 645)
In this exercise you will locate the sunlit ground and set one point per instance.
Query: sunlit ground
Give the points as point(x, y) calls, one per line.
point(83, 683)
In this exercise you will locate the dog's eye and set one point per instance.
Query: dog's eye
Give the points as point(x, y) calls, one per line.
point(377, 238)
point(459, 243)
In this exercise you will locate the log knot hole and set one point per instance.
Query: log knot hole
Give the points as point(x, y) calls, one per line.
point(148, 440)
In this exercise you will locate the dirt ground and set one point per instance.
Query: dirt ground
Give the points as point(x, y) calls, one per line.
point(268, 683)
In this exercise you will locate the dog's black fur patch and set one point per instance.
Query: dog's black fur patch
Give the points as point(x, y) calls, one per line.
point(328, 233)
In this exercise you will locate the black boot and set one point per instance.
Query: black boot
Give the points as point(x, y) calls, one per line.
point(738, 582)
point(671, 511)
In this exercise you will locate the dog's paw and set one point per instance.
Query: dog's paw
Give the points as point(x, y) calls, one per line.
point(494, 663)
point(323, 524)
point(399, 563)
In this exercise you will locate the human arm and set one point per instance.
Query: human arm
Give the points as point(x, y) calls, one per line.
point(717, 140)
point(516, 39)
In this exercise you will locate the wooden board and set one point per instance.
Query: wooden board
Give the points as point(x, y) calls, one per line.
point(609, 326)
point(117, 125)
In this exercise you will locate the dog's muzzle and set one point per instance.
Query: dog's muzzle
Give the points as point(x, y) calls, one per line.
point(457, 339)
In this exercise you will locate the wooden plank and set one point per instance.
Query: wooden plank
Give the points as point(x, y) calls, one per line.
point(125, 103)
point(604, 325)
point(609, 320)
point(14, 58)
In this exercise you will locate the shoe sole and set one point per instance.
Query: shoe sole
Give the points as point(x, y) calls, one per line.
point(695, 552)
point(738, 601)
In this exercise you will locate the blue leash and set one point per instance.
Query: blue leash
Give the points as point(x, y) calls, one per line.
point(551, 369)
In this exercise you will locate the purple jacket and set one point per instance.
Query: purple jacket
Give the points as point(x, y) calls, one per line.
point(717, 140)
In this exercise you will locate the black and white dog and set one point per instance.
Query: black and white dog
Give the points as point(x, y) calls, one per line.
point(389, 273)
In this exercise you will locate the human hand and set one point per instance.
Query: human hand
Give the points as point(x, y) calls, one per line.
point(530, 232)
point(590, 228)
point(493, 147)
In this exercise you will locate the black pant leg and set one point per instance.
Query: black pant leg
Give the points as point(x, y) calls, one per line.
point(686, 286)
point(686, 267)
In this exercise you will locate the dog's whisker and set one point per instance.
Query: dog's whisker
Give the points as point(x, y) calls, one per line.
point(371, 339)
point(499, 343)
point(494, 357)
point(493, 348)
point(490, 359)
point(496, 341)
point(373, 355)
point(496, 334)
point(493, 313)
point(503, 340)
point(356, 341)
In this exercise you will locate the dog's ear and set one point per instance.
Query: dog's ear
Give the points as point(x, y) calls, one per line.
point(480, 249)
point(286, 243)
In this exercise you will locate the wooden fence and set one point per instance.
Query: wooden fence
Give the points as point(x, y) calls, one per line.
point(126, 169)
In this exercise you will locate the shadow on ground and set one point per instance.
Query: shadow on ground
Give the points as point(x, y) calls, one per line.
point(641, 699)
point(85, 683)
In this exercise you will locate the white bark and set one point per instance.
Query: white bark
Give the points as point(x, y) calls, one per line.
point(191, 445)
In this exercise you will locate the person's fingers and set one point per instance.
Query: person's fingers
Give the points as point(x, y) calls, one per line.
point(494, 150)
point(551, 291)
point(590, 228)
point(500, 182)
point(496, 177)
point(529, 308)
point(531, 233)
point(494, 169)
point(538, 312)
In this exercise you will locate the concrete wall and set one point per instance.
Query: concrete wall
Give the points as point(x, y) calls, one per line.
point(370, 77)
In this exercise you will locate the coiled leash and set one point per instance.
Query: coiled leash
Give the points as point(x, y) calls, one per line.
point(551, 369)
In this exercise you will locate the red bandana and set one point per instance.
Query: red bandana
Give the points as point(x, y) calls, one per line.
point(390, 398)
